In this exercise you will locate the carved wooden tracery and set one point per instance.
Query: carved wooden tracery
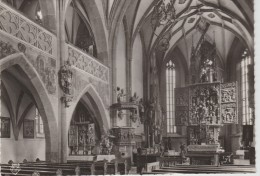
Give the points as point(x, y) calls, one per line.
point(229, 103)
point(204, 108)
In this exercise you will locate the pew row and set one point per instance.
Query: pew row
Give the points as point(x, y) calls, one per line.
point(75, 168)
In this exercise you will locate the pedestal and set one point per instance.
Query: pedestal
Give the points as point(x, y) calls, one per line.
point(124, 140)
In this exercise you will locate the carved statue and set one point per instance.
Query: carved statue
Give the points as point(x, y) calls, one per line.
point(106, 145)
point(66, 78)
point(66, 82)
point(134, 98)
point(120, 114)
point(133, 115)
point(141, 110)
point(120, 95)
point(6, 49)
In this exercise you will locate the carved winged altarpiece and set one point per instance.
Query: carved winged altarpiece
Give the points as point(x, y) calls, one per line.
point(204, 108)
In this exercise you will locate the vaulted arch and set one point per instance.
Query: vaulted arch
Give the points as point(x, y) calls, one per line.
point(29, 77)
point(89, 94)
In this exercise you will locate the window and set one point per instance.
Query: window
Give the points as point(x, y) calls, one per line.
point(38, 14)
point(39, 124)
point(246, 110)
point(170, 85)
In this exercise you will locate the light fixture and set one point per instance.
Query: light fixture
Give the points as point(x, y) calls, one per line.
point(163, 13)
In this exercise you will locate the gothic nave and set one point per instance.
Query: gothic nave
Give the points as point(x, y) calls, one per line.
point(101, 87)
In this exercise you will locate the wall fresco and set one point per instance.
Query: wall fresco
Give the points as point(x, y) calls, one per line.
point(43, 64)
point(81, 81)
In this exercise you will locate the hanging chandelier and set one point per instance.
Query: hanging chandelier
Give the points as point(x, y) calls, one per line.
point(163, 13)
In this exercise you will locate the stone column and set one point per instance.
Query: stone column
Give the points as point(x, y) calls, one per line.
point(61, 58)
point(129, 50)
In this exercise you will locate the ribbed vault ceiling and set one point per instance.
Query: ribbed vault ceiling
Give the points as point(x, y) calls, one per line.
point(220, 21)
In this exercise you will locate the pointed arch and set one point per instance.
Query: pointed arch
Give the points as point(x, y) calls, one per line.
point(35, 85)
point(92, 95)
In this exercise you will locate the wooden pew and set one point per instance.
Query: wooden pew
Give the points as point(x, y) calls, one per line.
point(86, 168)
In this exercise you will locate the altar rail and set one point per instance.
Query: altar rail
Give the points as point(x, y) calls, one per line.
point(87, 63)
point(22, 28)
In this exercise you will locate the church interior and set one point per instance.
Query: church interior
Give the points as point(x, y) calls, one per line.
point(101, 87)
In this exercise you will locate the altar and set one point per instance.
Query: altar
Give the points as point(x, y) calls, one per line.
point(204, 154)
point(205, 106)
point(204, 158)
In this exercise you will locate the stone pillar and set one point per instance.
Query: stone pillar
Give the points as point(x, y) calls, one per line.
point(128, 86)
point(61, 58)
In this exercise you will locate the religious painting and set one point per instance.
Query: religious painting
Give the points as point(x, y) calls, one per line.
point(182, 106)
point(229, 103)
point(28, 128)
point(91, 134)
point(5, 127)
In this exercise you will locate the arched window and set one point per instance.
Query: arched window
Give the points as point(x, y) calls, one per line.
point(38, 124)
point(170, 106)
point(246, 109)
point(38, 14)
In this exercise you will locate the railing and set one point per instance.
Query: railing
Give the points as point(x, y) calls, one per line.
point(88, 64)
point(26, 30)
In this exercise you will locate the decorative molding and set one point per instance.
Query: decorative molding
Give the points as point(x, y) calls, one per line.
point(191, 20)
point(86, 63)
point(211, 15)
point(182, 1)
point(123, 135)
point(26, 30)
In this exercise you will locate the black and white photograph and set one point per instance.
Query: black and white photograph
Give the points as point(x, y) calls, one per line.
point(129, 87)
